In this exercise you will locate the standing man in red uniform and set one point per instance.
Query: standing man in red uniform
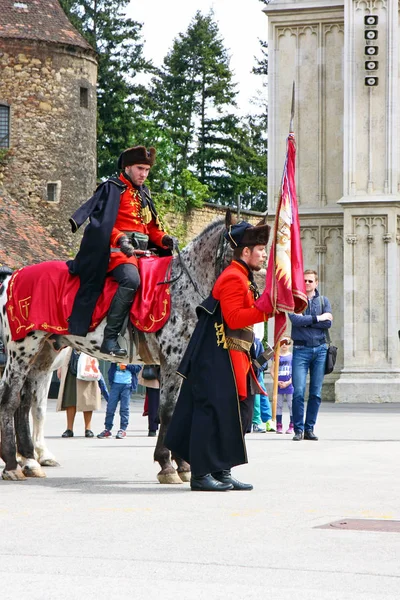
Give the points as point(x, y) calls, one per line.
point(122, 218)
point(215, 405)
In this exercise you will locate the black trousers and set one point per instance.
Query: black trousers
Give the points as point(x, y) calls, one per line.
point(153, 402)
point(246, 413)
point(127, 276)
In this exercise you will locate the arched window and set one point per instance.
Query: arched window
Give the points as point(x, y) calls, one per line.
point(4, 126)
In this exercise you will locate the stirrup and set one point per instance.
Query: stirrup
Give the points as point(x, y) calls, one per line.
point(115, 350)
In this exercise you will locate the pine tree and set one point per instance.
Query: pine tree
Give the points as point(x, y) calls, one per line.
point(191, 92)
point(117, 39)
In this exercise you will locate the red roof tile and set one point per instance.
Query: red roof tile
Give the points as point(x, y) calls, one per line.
point(23, 240)
point(42, 20)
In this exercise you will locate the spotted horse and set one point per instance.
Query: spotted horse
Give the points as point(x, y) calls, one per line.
point(31, 360)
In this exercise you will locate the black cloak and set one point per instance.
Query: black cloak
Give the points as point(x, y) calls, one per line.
point(205, 429)
point(91, 262)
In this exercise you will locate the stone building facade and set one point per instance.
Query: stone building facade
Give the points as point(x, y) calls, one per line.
point(347, 132)
point(47, 112)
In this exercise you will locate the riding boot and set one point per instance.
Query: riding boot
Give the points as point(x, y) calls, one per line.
point(120, 306)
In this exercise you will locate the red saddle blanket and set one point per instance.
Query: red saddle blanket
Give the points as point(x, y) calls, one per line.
point(40, 297)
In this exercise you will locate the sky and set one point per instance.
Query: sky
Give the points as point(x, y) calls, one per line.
point(241, 23)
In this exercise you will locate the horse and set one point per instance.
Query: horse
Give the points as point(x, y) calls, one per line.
point(30, 362)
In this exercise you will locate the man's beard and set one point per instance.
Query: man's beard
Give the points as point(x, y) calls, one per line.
point(257, 268)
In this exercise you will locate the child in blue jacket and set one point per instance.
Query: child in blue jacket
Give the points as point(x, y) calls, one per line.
point(123, 381)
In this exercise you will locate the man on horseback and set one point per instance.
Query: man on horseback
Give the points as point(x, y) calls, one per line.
point(123, 220)
point(215, 405)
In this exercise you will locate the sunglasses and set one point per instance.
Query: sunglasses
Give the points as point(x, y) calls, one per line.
point(308, 281)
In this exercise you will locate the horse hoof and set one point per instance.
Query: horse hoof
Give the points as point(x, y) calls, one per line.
point(184, 476)
point(15, 475)
point(33, 472)
point(49, 462)
point(169, 478)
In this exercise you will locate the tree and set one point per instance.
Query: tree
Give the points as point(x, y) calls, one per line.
point(190, 93)
point(117, 40)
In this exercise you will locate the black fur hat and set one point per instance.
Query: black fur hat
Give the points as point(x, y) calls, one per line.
point(244, 234)
point(138, 155)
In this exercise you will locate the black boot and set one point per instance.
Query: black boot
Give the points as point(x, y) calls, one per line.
point(207, 483)
point(120, 306)
point(226, 477)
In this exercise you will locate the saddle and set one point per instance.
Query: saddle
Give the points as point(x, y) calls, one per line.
point(40, 297)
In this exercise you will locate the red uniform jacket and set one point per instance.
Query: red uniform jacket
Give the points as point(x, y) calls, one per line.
point(232, 289)
point(130, 218)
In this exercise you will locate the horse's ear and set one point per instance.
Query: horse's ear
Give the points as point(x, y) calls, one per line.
point(263, 221)
point(229, 218)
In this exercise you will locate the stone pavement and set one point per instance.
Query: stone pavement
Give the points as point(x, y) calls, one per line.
point(101, 525)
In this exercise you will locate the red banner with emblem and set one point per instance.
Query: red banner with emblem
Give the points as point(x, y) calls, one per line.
point(285, 290)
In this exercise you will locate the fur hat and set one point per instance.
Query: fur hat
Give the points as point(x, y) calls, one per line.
point(244, 234)
point(138, 155)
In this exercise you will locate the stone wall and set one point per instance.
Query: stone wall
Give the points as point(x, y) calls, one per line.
point(188, 226)
point(53, 137)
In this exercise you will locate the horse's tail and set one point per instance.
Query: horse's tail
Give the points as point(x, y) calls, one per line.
point(5, 272)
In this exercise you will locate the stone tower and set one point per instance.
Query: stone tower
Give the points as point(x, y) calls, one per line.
point(47, 111)
point(344, 57)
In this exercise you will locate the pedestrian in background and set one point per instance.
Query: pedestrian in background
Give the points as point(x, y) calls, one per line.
point(149, 377)
point(309, 355)
point(285, 387)
point(123, 381)
point(76, 395)
point(262, 407)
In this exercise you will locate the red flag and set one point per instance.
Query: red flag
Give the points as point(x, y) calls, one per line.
point(285, 290)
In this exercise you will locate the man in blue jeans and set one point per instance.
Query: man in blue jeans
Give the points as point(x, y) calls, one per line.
point(123, 381)
point(309, 354)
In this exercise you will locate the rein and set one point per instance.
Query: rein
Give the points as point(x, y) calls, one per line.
point(220, 255)
point(184, 269)
point(219, 264)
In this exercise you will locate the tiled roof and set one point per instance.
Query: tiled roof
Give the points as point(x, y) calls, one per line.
point(42, 20)
point(23, 240)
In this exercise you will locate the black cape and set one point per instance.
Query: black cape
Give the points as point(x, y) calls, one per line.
point(205, 429)
point(91, 262)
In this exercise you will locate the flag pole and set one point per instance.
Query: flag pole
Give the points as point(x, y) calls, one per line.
point(278, 345)
point(275, 386)
point(291, 127)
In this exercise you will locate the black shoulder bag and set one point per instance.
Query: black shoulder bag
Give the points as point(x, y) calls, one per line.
point(331, 354)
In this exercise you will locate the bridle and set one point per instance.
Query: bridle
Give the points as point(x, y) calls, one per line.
point(220, 254)
point(183, 269)
point(220, 263)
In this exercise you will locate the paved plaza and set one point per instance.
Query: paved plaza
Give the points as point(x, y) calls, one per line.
point(101, 525)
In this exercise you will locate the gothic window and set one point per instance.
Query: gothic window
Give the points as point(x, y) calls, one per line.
point(4, 126)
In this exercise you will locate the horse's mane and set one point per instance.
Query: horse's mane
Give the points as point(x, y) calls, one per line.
point(209, 229)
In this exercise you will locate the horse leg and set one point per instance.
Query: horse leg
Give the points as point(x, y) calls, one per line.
point(163, 456)
point(169, 386)
point(9, 403)
point(183, 469)
point(30, 467)
point(38, 412)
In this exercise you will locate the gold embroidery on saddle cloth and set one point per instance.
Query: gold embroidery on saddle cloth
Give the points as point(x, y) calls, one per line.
point(152, 318)
point(220, 333)
point(10, 308)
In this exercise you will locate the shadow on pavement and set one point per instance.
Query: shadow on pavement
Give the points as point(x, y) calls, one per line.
point(102, 486)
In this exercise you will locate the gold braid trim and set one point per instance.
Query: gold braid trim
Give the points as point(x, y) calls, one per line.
point(236, 344)
point(146, 215)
